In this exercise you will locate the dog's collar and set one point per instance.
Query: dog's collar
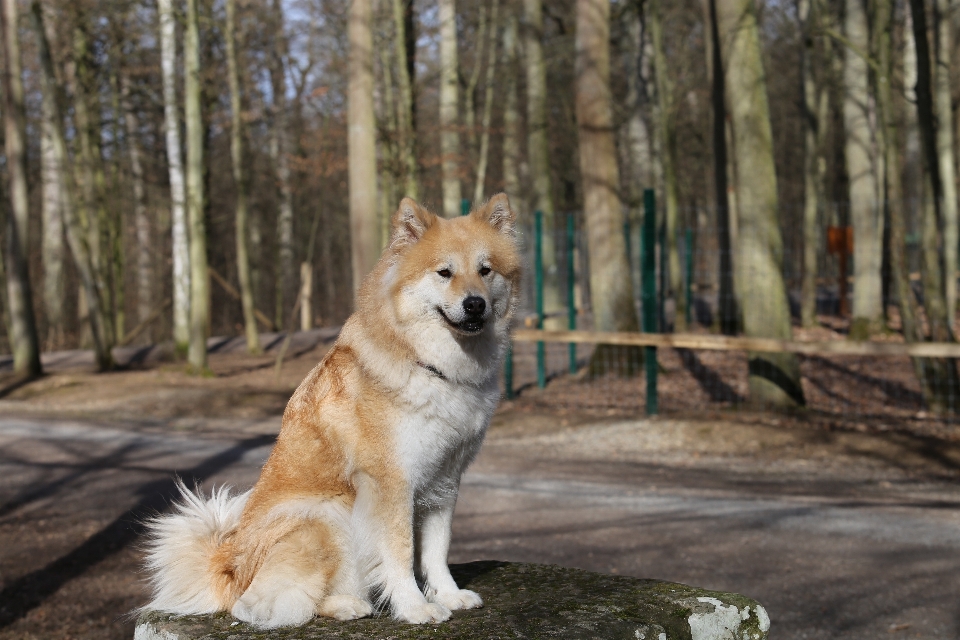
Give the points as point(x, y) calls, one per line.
point(432, 369)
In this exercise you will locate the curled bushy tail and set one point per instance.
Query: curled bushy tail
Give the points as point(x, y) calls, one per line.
point(180, 546)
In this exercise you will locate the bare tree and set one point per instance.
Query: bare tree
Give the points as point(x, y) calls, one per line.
point(774, 378)
point(178, 216)
point(242, 217)
point(611, 292)
point(199, 280)
point(943, 51)
point(23, 324)
point(511, 111)
point(478, 191)
point(405, 132)
point(97, 313)
point(449, 105)
point(364, 236)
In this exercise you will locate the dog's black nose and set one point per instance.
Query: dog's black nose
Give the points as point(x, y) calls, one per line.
point(474, 305)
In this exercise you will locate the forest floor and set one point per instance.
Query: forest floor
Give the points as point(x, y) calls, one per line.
point(844, 524)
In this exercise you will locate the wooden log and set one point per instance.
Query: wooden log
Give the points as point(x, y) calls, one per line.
point(738, 343)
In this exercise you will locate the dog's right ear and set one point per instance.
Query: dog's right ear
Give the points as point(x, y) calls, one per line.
point(409, 223)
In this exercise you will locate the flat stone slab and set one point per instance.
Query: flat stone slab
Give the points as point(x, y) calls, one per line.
point(520, 601)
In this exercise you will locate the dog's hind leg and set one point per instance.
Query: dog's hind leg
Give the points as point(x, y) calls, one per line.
point(293, 579)
point(347, 599)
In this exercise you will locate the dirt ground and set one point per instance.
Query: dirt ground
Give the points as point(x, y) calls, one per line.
point(71, 497)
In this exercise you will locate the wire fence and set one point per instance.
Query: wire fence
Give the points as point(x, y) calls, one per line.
point(866, 390)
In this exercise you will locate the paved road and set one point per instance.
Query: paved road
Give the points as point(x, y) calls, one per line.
point(829, 558)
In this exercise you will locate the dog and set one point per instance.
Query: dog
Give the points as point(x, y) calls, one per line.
point(357, 496)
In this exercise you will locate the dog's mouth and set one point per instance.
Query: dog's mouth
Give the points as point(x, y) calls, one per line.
point(471, 325)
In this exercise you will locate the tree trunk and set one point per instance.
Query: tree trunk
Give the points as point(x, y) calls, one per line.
point(774, 378)
point(199, 280)
point(479, 188)
point(511, 112)
point(242, 217)
point(942, 10)
point(178, 217)
point(280, 153)
point(815, 124)
point(93, 297)
point(668, 149)
point(23, 325)
point(611, 293)
point(53, 289)
point(364, 231)
point(865, 216)
point(729, 320)
point(141, 220)
point(637, 135)
point(946, 394)
point(405, 134)
point(449, 105)
point(470, 94)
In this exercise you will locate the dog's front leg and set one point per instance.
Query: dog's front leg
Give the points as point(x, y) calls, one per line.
point(435, 529)
point(384, 511)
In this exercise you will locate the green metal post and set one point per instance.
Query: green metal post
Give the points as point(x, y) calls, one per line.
point(649, 280)
point(464, 207)
point(626, 241)
point(571, 289)
point(689, 289)
point(538, 274)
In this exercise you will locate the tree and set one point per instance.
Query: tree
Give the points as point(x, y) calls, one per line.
point(242, 217)
point(97, 313)
point(405, 133)
point(774, 378)
point(178, 216)
point(668, 153)
point(728, 316)
point(23, 324)
point(538, 147)
point(813, 15)
point(943, 51)
point(511, 111)
point(199, 280)
point(364, 236)
point(487, 103)
point(946, 392)
point(865, 216)
point(610, 291)
point(449, 105)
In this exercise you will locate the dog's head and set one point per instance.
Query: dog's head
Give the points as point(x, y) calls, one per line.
point(462, 274)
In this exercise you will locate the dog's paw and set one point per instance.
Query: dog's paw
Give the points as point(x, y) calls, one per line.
point(345, 607)
point(459, 599)
point(423, 613)
point(288, 608)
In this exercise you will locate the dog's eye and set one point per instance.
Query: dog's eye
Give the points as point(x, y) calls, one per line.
point(485, 271)
point(445, 273)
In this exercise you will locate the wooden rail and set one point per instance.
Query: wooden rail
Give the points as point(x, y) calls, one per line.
point(739, 343)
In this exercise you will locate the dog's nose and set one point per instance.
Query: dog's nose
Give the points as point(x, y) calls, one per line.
point(474, 305)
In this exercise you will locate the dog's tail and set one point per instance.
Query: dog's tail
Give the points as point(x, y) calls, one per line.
point(180, 548)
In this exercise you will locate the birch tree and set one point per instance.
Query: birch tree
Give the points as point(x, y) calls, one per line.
point(199, 280)
point(865, 216)
point(449, 106)
point(242, 217)
point(610, 291)
point(774, 378)
point(178, 217)
point(23, 325)
point(364, 231)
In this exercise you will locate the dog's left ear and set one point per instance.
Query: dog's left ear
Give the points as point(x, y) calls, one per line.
point(497, 213)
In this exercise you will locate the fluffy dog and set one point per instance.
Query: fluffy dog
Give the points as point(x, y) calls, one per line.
point(359, 491)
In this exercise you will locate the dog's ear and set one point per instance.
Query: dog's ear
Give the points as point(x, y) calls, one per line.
point(497, 213)
point(409, 223)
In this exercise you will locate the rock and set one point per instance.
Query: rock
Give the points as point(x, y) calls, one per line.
point(521, 601)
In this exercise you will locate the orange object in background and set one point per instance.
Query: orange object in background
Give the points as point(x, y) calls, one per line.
point(840, 242)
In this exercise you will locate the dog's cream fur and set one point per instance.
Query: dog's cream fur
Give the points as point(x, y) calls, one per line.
point(359, 492)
